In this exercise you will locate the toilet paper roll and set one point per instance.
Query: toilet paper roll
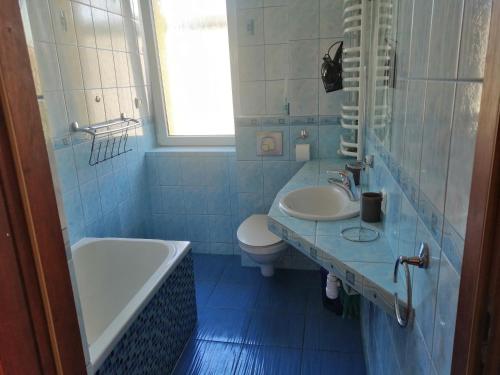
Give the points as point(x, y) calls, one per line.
point(303, 152)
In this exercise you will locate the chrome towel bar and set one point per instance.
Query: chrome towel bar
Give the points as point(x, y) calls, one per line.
point(420, 261)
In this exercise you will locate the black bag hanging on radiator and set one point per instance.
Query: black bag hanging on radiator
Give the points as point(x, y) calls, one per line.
point(331, 69)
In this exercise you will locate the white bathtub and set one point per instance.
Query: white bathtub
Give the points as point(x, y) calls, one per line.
point(116, 278)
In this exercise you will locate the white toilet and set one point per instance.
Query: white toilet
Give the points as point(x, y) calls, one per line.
point(262, 246)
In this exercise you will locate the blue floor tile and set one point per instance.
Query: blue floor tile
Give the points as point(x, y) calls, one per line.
point(205, 357)
point(278, 324)
point(276, 297)
point(327, 331)
point(315, 301)
point(265, 360)
point(298, 278)
point(209, 267)
point(203, 291)
point(236, 274)
point(328, 363)
point(233, 296)
point(224, 325)
point(276, 329)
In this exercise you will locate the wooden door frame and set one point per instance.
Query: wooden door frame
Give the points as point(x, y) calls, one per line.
point(39, 255)
point(478, 305)
point(34, 242)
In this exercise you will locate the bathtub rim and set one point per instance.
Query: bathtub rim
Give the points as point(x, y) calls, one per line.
point(106, 342)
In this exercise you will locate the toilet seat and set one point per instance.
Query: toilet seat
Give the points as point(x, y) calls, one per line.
point(253, 235)
point(264, 250)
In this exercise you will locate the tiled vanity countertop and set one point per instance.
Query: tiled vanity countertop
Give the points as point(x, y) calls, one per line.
point(365, 266)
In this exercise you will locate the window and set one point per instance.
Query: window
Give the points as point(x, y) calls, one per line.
point(194, 69)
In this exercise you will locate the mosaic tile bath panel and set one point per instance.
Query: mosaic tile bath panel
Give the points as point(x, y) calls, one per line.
point(154, 342)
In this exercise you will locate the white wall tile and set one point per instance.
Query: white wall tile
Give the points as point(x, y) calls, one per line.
point(144, 67)
point(273, 3)
point(414, 128)
point(276, 25)
point(143, 99)
point(90, 68)
point(77, 107)
point(436, 140)
point(245, 4)
point(101, 28)
point(48, 66)
point(111, 104)
point(303, 96)
point(445, 38)
point(95, 106)
point(121, 67)
point(253, 98)
point(84, 25)
point(404, 37)
point(136, 9)
point(250, 26)
point(463, 140)
point(419, 48)
point(117, 32)
point(275, 97)
point(56, 114)
point(251, 63)
point(107, 68)
point(141, 41)
point(303, 19)
point(62, 21)
point(330, 103)
point(114, 6)
point(136, 73)
point(99, 3)
point(69, 63)
point(304, 59)
point(39, 14)
point(277, 64)
point(397, 131)
point(130, 35)
point(475, 31)
point(331, 18)
point(125, 101)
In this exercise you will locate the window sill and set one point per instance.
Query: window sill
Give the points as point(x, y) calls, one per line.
point(195, 150)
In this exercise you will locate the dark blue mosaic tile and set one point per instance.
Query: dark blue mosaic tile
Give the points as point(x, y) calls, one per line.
point(155, 340)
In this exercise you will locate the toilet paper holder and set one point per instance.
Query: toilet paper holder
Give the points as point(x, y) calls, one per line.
point(304, 134)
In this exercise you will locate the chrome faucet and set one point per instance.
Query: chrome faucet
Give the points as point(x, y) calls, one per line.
point(346, 182)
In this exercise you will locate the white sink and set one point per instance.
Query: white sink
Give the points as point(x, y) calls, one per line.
point(319, 203)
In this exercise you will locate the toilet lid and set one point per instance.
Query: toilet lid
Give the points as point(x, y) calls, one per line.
point(253, 232)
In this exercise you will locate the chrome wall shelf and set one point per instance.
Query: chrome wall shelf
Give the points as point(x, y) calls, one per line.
point(109, 139)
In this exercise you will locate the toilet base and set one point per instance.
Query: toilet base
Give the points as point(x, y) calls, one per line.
point(267, 270)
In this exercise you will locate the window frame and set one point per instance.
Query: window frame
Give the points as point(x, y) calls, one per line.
point(158, 97)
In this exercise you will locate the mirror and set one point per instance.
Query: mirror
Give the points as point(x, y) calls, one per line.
point(385, 102)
